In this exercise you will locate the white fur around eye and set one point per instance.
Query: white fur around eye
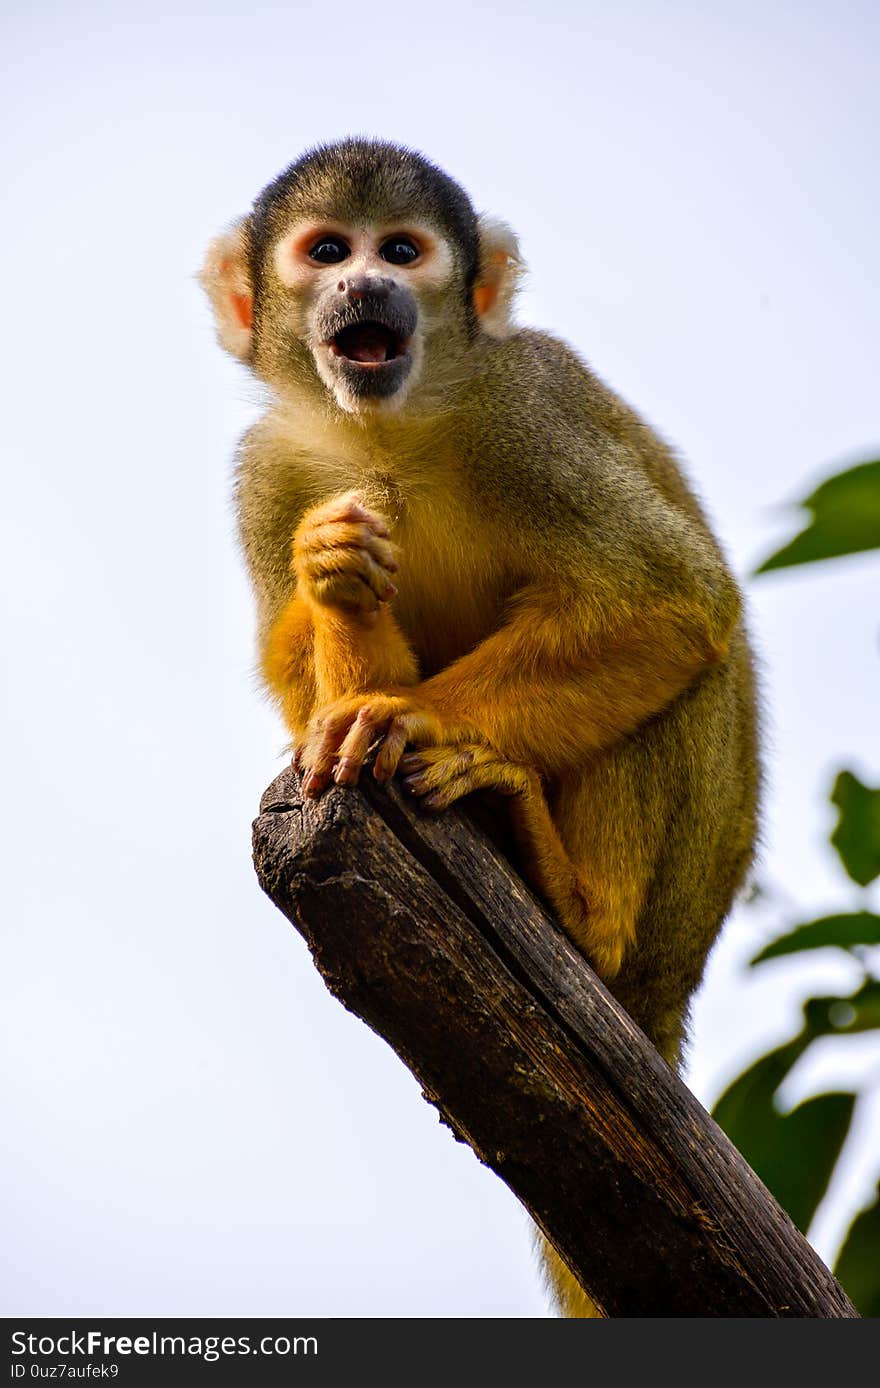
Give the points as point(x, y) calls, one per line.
point(288, 265)
point(434, 271)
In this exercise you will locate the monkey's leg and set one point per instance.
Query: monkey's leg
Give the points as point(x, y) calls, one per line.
point(590, 913)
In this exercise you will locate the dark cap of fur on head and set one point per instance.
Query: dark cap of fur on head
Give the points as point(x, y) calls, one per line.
point(359, 176)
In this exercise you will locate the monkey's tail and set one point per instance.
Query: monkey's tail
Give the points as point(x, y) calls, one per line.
point(568, 1295)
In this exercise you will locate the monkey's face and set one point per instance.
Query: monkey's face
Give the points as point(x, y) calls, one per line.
point(365, 299)
point(362, 272)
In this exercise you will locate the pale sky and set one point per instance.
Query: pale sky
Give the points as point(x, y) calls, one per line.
point(193, 1125)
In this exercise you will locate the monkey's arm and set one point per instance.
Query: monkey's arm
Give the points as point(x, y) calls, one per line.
point(586, 655)
point(315, 654)
point(552, 685)
point(336, 635)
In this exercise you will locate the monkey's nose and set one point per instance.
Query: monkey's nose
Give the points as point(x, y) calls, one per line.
point(358, 287)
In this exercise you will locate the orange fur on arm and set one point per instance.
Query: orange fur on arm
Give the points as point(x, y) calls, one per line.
point(316, 653)
point(553, 684)
point(288, 664)
point(356, 651)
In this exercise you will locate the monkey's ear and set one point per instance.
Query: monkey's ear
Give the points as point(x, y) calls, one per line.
point(226, 279)
point(501, 269)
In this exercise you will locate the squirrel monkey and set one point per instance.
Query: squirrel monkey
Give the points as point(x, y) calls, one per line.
point(468, 551)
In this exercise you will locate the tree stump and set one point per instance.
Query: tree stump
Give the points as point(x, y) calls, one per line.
point(421, 927)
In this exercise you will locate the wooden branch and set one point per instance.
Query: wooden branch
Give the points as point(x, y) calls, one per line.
point(419, 926)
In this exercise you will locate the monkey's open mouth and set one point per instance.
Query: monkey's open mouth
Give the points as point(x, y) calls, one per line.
point(368, 344)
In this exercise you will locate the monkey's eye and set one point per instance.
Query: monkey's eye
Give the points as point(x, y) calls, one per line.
point(399, 250)
point(329, 250)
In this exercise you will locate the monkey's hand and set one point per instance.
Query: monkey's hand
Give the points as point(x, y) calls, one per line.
point(343, 556)
point(341, 735)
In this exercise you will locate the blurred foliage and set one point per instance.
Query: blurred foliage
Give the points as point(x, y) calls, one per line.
point(857, 836)
point(857, 1262)
point(859, 928)
point(845, 519)
point(795, 1151)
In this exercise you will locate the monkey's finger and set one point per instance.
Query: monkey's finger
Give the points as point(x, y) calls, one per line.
point(452, 790)
point(320, 758)
point(376, 523)
point(418, 726)
point(433, 768)
point(319, 753)
point(413, 761)
point(441, 785)
point(357, 511)
point(348, 506)
point(346, 591)
point(346, 535)
point(319, 774)
point(392, 749)
point(334, 567)
point(491, 772)
point(383, 551)
point(490, 777)
point(346, 772)
point(355, 747)
point(345, 504)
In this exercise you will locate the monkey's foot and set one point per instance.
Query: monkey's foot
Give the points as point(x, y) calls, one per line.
point(441, 775)
point(600, 934)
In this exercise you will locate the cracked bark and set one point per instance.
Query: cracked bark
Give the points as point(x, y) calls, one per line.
point(420, 926)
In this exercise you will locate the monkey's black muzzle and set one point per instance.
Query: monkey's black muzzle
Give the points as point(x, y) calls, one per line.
point(369, 339)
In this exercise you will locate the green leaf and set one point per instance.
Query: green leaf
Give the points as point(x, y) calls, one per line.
point(740, 1111)
point(832, 1016)
point(857, 835)
point(823, 1016)
point(859, 928)
point(858, 1263)
point(798, 1161)
point(793, 1153)
point(845, 519)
